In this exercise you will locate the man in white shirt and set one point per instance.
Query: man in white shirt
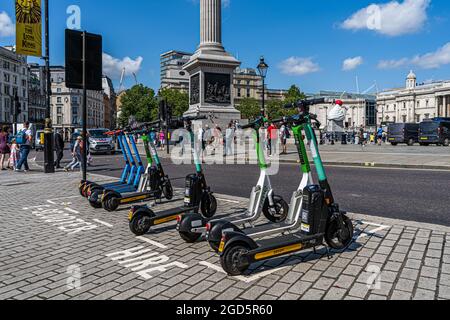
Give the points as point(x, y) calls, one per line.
point(25, 148)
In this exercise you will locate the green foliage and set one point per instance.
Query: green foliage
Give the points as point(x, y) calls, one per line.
point(294, 94)
point(140, 102)
point(275, 109)
point(249, 108)
point(177, 99)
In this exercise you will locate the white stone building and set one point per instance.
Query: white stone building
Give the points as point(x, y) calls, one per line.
point(415, 102)
point(66, 104)
point(13, 81)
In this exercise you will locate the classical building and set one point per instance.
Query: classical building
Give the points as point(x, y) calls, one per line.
point(172, 74)
point(13, 82)
point(109, 102)
point(66, 104)
point(415, 102)
point(361, 108)
point(37, 103)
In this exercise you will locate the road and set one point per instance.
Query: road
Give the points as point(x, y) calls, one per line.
point(412, 195)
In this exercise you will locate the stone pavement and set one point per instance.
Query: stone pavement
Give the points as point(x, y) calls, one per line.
point(55, 246)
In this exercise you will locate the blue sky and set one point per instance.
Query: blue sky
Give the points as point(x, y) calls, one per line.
point(304, 42)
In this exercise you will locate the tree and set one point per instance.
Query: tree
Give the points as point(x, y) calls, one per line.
point(249, 108)
point(140, 102)
point(178, 100)
point(294, 94)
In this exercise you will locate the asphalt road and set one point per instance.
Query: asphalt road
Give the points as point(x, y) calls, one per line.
point(412, 195)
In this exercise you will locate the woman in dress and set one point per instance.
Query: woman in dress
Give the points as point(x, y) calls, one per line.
point(4, 147)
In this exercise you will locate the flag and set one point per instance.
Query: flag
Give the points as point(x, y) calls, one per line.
point(29, 27)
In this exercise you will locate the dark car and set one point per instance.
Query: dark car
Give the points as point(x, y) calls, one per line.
point(403, 133)
point(436, 131)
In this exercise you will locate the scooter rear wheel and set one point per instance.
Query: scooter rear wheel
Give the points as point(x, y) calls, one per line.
point(279, 212)
point(232, 262)
point(94, 199)
point(190, 237)
point(339, 237)
point(110, 202)
point(167, 190)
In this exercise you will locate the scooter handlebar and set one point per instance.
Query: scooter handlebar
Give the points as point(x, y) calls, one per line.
point(304, 103)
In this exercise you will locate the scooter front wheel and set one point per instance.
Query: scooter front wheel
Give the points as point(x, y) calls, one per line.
point(208, 205)
point(110, 202)
point(140, 224)
point(167, 190)
point(94, 199)
point(337, 236)
point(232, 260)
point(279, 212)
point(190, 237)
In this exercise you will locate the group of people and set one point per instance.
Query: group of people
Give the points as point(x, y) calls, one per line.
point(14, 153)
point(359, 136)
point(159, 139)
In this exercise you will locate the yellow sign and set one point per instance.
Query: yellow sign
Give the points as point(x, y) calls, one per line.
point(29, 27)
point(222, 246)
point(279, 252)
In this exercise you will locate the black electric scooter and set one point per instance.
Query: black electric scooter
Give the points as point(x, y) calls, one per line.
point(321, 220)
point(197, 198)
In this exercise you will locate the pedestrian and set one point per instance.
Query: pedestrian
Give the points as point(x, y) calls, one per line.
point(76, 155)
point(229, 140)
point(5, 149)
point(59, 147)
point(361, 136)
point(284, 136)
point(24, 139)
point(162, 140)
point(271, 137)
point(380, 136)
point(14, 156)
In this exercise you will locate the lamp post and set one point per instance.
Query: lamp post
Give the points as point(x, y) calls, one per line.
point(48, 131)
point(262, 69)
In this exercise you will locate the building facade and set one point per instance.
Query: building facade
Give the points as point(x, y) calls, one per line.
point(415, 102)
point(66, 104)
point(172, 74)
point(362, 109)
point(13, 82)
point(37, 103)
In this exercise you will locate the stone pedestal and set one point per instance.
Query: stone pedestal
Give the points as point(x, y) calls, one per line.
point(211, 69)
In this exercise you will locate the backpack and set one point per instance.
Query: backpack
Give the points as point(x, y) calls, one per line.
point(21, 137)
point(287, 133)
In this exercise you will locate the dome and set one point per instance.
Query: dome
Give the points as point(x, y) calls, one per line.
point(411, 76)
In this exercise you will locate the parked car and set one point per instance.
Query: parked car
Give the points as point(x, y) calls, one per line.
point(403, 133)
point(435, 131)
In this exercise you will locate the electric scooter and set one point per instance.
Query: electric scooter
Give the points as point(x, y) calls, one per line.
point(291, 223)
point(321, 220)
point(127, 173)
point(197, 197)
point(153, 186)
point(192, 227)
point(95, 192)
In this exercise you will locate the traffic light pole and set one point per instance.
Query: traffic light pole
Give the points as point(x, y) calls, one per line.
point(85, 117)
point(49, 166)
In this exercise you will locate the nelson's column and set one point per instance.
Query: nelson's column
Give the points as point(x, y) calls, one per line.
point(211, 69)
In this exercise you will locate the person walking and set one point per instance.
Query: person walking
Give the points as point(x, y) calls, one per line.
point(15, 155)
point(380, 136)
point(59, 147)
point(76, 155)
point(284, 136)
point(229, 140)
point(162, 140)
point(24, 139)
point(361, 136)
point(5, 149)
point(271, 136)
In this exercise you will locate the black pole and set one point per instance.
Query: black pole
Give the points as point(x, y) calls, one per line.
point(167, 126)
point(49, 166)
point(263, 111)
point(85, 151)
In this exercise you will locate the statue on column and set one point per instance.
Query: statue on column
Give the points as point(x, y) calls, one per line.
point(336, 120)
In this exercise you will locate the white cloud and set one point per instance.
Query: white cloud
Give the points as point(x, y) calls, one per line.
point(297, 66)
point(112, 67)
point(7, 27)
point(392, 18)
point(352, 63)
point(431, 60)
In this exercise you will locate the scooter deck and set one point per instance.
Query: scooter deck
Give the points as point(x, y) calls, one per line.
point(281, 246)
point(269, 229)
point(171, 214)
point(137, 196)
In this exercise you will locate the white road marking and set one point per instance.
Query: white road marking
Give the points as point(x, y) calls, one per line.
point(226, 200)
point(103, 223)
point(242, 278)
point(372, 232)
point(156, 244)
point(51, 202)
point(36, 207)
point(62, 198)
point(72, 211)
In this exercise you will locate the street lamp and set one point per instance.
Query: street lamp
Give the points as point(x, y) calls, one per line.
point(262, 69)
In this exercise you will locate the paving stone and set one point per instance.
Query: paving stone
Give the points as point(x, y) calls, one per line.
point(405, 285)
point(359, 290)
point(427, 283)
point(300, 287)
point(410, 274)
point(313, 294)
point(335, 294)
point(429, 272)
point(401, 295)
point(311, 276)
point(375, 297)
point(393, 266)
point(289, 297)
point(444, 292)
point(253, 293)
point(422, 294)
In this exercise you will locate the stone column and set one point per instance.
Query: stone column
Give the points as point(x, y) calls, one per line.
point(211, 24)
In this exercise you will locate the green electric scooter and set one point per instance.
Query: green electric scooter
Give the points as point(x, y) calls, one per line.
point(321, 220)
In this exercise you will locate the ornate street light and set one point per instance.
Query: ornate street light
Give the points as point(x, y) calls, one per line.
point(262, 70)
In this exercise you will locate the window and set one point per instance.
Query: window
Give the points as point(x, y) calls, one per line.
point(24, 83)
point(418, 118)
point(248, 93)
point(404, 119)
point(75, 110)
point(24, 93)
point(6, 77)
point(15, 79)
point(58, 100)
point(59, 110)
point(59, 120)
point(427, 116)
point(58, 90)
point(75, 100)
point(6, 89)
point(427, 103)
